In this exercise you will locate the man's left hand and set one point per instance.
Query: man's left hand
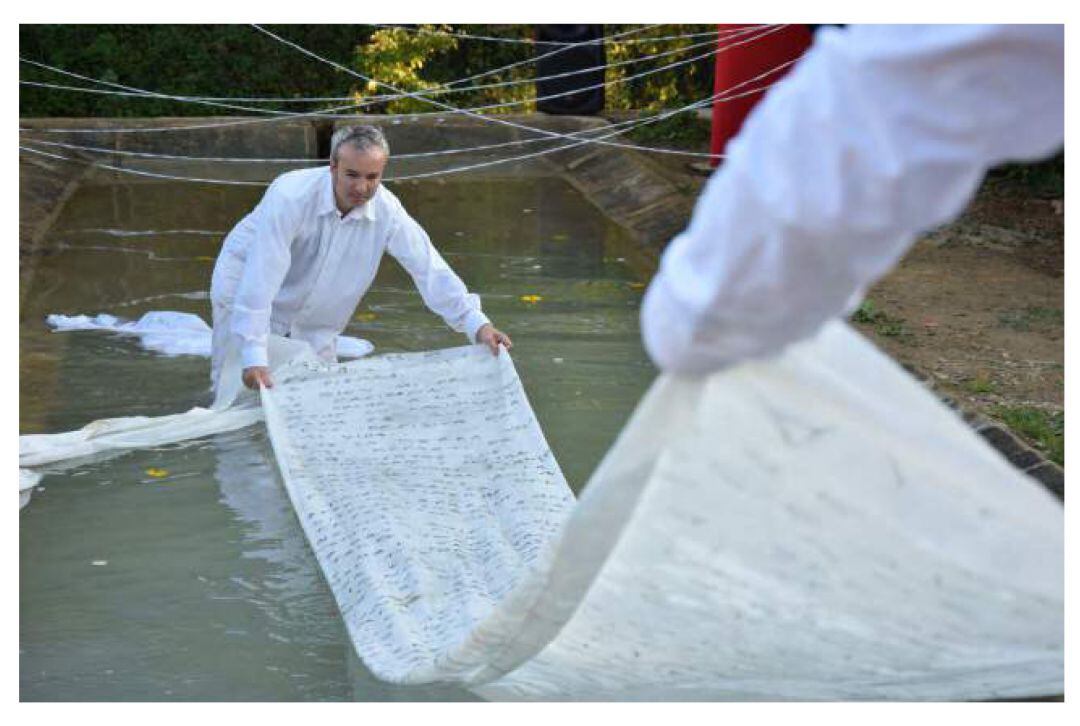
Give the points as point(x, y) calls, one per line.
point(493, 337)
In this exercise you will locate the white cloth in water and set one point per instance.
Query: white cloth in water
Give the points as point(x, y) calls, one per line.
point(813, 527)
point(175, 333)
point(27, 481)
point(427, 490)
point(133, 432)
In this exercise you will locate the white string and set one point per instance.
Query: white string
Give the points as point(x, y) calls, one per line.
point(157, 95)
point(139, 172)
point(450, 110)
point(423, 154)
point(720, 96)
point(235, 159)
point(537, 58)
point(133, 91)
point(369, 100)
point(142, 93)
point(324, 114)
point(574, 135)
point(697, 104)
point(531, 41)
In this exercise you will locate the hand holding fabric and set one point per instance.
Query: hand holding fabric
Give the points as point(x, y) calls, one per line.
point(256, 376)
point(492, 337)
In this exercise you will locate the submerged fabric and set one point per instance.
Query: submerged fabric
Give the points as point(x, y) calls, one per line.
point(812, 527)
point(107, 437)
point(174, 333)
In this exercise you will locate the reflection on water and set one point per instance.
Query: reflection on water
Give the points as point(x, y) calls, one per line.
point(197, 583)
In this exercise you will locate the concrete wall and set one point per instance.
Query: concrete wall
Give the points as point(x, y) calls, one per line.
point(620, 183)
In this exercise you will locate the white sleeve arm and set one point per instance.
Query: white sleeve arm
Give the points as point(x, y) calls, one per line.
point(442, 290)
point(266, 264)
point(880, 133)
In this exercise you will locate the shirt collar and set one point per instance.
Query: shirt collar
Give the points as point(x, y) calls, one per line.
point(329, 205)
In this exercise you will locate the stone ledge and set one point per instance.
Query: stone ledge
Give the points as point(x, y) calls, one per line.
point(629, 191)
point(1026, 458)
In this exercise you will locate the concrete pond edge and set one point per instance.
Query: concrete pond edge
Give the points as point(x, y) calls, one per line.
point(622, 184)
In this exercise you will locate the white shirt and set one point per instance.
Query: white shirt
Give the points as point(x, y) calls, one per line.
point(878, 134)
point(303, 268)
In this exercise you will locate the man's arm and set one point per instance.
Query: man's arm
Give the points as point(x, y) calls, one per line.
point(879, 134)
point(441, 289)
point(267, 260)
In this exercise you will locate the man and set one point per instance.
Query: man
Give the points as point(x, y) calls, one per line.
point(300, 262)
point(879, 134)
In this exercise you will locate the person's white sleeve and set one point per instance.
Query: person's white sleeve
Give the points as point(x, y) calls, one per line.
point(441, 289)
point(879, 133)
point(276, 220)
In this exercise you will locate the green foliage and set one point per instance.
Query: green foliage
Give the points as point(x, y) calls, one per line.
point(237, 61)
point(1044, 429)
point(395, 57)
point(670, 88)
point(981, 383)
point(883, 324)
point(1032, 318)
point(867, 313)
point(684, 130)
point(193, 60)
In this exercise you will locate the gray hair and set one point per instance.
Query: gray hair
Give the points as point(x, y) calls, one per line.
point(361, 137)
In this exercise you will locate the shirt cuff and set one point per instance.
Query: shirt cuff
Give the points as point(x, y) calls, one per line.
point(253, 354)
point(473, 323)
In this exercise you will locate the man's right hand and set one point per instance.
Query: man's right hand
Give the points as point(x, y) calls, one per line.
point(257, 375)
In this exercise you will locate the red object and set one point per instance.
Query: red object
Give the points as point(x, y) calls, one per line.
point(741, 63)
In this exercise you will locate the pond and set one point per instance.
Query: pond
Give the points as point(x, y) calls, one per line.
point(181, 572)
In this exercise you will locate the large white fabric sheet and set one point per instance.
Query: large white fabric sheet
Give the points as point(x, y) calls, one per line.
point(427, 490)
point(813, 527)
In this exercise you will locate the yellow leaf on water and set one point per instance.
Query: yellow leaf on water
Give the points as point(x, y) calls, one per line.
point(365, 317)
point(531, 299)
point(157, 473)
point(636, 285)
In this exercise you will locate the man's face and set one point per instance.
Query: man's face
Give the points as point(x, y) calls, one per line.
point(357, 175)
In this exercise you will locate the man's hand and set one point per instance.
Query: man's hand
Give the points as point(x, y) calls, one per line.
point(493, 338)
point(256, 375)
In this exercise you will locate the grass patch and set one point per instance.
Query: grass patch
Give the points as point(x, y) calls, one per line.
point(1030, 318)
point(1043, 429)
point(883, 324)
point(981, 383)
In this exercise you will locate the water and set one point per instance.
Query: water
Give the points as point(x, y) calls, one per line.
point(181, 573)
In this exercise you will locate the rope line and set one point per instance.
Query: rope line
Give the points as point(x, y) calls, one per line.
point(138, 92)
point(415, 155)
point(323, 114)
point(139, 172)
point(532, 41)
point(697, 104)
point(450, 110)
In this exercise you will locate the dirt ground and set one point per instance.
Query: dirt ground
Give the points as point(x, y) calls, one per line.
point(976, 307)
